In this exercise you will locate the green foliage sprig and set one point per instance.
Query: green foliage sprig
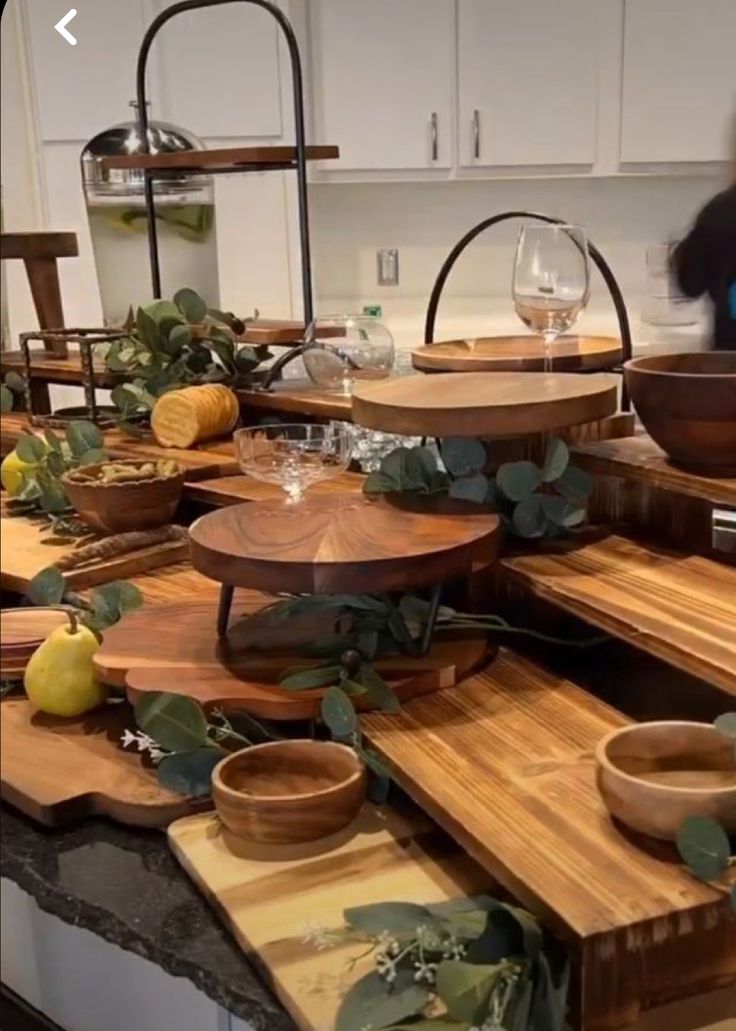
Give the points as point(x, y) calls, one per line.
point(104, 606)
point(12, 392)
point(533, 501)
point(175, 343)
point(472, 963)
point(48, 458)
point(701, 841)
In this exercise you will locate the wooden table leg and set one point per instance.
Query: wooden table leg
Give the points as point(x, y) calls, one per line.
point(223, 609)
point(43, 275)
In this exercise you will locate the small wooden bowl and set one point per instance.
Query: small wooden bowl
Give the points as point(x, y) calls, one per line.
point(120, 507)
point(652, 775)
point(687, 403)
point(286, 792)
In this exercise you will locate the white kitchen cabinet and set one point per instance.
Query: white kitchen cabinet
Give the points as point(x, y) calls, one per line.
point(219, 71)
point(679, 80)
point(383, 82)
point(527, 74)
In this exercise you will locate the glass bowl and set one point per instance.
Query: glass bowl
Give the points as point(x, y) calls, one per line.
point(293, 455)
point(342, 349)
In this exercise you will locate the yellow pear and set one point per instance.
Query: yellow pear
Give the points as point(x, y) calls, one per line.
point(60, 677)
point(12, 473)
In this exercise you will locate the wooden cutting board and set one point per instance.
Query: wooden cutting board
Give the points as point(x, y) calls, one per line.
point(269, 896)
point(26, 551)
point(522, 353)
point(175, 648)
point(58, 771)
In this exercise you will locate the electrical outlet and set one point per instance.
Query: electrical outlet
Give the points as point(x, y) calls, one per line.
point(387, 263)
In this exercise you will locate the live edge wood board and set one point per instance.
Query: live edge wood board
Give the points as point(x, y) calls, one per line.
point(504, 763)
point(681, 608)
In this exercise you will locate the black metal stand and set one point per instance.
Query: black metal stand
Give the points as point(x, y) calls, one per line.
point(223, 609)
point(603, 267)
point(300, 164)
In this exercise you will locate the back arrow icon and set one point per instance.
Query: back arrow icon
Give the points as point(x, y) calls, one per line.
point(61, 27)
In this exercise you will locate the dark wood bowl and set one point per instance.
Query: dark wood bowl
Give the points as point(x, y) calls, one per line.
point(121, 507)
point(687, 403)
point(286, 792)
point(652, 775)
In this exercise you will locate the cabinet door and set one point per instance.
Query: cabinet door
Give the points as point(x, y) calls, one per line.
point(219, 71)
point(383, 81)
point(679, 90)
point(528, 82)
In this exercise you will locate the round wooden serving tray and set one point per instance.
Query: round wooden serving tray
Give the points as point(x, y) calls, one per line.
point(484, 404)
point(517, 354)
point(344, 543)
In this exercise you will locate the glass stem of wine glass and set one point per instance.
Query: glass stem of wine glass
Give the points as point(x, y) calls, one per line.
point(549, 339)
point(294, 491)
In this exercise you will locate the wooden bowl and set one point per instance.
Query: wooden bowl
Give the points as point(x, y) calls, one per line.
point(687, 403)
point(286, 792)
point(653, 775)
point(120, 507)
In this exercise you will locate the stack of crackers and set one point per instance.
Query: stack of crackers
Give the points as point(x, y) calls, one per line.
point(183, 418)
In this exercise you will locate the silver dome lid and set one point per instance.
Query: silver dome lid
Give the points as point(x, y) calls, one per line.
point(163, 138)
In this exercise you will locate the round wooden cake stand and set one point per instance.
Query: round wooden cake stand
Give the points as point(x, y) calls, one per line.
point(172, 648)
point(346, 543)
point(517, 354)
point(484, 404)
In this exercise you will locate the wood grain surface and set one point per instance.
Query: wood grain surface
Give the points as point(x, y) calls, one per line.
point(681, 608)
point(504, 763)
point(226, 157)
point(25, 552)
point(22, 630)
point(234, 490)
point(523, 353)
point(347, 543)
point(639, 458)
point(55, 368)
point(499, 404)
point(298, 397)
point(215, 458)
point(58, 771)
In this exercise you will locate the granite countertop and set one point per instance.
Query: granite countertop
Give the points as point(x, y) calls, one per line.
point(125, 885)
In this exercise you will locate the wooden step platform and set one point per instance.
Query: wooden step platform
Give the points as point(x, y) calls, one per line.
point(681, 608)
point(504, 763)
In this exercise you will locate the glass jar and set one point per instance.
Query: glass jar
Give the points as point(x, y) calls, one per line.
point(664, 305)
point(116, 209)
point(344, 349)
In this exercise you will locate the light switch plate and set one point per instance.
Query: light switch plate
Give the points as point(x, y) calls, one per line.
point(387, 263)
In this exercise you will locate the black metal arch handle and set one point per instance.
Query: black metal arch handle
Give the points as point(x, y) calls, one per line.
point(601, 263)
point(301, 158)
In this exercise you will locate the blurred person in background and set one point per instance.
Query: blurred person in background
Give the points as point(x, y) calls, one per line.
point(705, 261)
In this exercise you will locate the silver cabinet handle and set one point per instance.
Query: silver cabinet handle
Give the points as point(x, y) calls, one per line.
point(435, 136)
point(476, 134)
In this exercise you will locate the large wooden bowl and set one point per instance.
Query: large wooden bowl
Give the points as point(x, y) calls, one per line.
point(687, 403)
point(121, 507)
point(286, 792)
point(652, 775)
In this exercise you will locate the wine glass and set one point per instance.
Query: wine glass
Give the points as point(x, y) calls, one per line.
point(551, 281)
point(293, 455)
point(341, 349)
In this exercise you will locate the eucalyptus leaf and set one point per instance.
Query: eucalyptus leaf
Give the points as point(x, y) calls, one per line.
point(549, 1001)
point(52, 498)
point(175, 722)
point(529, 519)
point(733, 897)
point(377, 692)
point(463, 456)
point(189, 773)
point(378, 789)
point(311, 677)
point(704, 846)
point(179, 337)
point(164, 311)
point(465, 987)
point(432, 1024)
point(556, 460)
point(338, 713)
point(30, 449)
point(470, 488)
point(148, 331)
point(726, 723)
point(560, 511)
point(83, 436)
point(31, 490)
point(379, 483)
point(47, 587)
point(351, 687)
point(398, 918)
point(93, 457)
point(52, 442)
point(7, 399)
point(370, 1002)
point(190, 304)
point(518, 480)
point(574, 484)
point(15, 382)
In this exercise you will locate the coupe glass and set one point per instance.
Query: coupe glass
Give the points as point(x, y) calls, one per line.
point(293, 455)
point(341, 349)
point(551, 281)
